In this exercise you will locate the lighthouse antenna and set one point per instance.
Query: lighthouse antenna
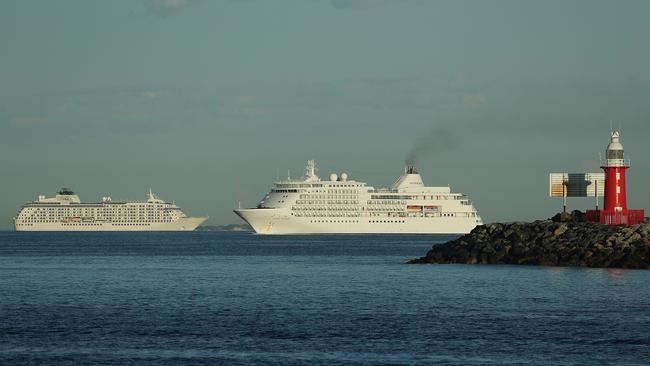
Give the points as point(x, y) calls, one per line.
point(564, 193)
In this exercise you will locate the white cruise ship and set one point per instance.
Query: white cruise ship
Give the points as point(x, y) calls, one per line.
point(66, 212)
point(344, 206)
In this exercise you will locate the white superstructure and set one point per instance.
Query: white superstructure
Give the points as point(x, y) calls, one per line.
point(66, 212)
point(344, 206)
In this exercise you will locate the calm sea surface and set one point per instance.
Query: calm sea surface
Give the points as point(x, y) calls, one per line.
point(241, 299)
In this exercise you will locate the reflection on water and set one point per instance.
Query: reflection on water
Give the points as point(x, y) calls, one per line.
point(617, 276)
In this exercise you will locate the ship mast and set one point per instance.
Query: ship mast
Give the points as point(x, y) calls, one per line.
point(310, 171)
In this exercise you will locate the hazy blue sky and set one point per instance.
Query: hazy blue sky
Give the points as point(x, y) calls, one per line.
point(206, 100)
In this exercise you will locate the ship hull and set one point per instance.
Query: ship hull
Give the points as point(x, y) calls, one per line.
point(183, 224)
point(269, 221)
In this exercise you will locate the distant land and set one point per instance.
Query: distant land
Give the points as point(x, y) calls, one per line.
point(229, 227)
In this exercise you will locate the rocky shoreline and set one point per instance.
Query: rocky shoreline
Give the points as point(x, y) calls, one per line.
point(564, 240)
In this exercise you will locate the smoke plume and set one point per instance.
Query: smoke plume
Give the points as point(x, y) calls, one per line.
point(439, 139)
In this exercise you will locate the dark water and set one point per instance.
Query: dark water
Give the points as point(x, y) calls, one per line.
point(239, 299)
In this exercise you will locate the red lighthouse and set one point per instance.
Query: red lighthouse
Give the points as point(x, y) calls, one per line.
point(615, 210)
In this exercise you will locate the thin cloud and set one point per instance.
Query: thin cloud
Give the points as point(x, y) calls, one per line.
point(28, 121)
point(165, 8)
point(474, 100)
point(152, 94)
point(356, 4)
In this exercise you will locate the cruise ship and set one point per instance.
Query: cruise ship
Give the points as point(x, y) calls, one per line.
point(344, 206)
point(66, 212)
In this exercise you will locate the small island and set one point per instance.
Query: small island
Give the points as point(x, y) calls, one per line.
point(567, 239)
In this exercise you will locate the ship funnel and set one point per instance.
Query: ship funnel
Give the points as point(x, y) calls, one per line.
point(411, 179)
point(410, 169)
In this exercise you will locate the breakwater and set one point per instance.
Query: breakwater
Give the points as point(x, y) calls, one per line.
point(565, 240)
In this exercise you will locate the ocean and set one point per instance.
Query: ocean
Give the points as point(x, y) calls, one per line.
point(222, 298)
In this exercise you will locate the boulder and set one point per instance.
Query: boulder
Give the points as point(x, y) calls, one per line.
point(567, 239)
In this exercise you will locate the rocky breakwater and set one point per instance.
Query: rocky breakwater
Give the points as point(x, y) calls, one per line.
point(565, 240)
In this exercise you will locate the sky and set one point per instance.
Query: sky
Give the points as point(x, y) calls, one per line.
point(209, 101)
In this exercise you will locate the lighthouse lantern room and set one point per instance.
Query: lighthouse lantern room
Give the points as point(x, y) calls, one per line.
point(615, 211)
